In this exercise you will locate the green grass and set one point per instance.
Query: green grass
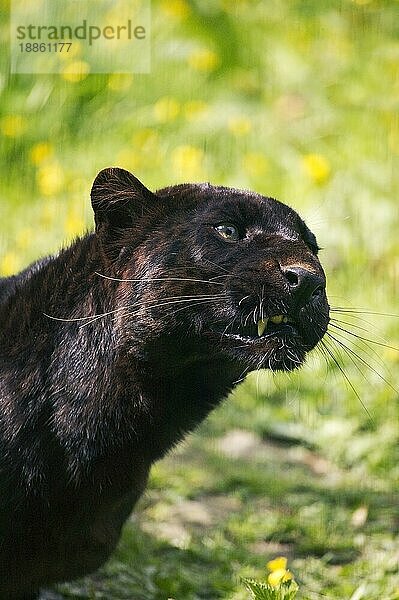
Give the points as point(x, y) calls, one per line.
point(296, 100)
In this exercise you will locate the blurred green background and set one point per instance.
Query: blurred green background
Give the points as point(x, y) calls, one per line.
point(297, 100)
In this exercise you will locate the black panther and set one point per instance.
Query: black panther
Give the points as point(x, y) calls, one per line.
point(115, 348)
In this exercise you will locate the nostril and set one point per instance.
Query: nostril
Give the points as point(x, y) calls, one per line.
point(305, 284)
point(292, 277)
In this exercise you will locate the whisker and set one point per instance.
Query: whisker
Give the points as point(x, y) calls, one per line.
point(362, 311)
point(262, 298)
point(105, 314)
point(230, 324)
point(151, 279)
point(351, 324)
point(217, 277)
point(320, 348)
point(364, 338)
point(242, 299)
point(254, 315)
point(348, 381)
point(352, 353)
point(361, 345)
point(202, 301)
point(73, 320)
point(141, 305)
point(246, 319)
point(243, 374)
point(355, 319)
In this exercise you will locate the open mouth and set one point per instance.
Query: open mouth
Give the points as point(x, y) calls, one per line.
point(266, 328)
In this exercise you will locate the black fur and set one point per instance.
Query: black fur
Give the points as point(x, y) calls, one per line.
point(86, 406)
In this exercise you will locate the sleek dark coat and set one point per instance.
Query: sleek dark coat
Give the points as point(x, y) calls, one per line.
point(116, 347)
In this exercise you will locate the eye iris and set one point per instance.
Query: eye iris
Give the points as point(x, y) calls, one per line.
point(227, 231)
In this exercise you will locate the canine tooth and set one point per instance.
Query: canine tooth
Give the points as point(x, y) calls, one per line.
point(262, 324)
point(277, 319)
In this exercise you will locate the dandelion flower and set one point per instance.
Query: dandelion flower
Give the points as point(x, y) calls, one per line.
point(277, 563)
point(187, 162)
point(279, 576)
point(177, 9)
point(279, 572)
point(120, 82)
point(13, 125)
point(166, 109)
point(50, 179)
point(203, 59)
point(317, 167)
point(41, 152)
point(145, 138)
point(9, 264)
point(195, 109)
point(73, 224)
point(240, 126)
point(75, 71)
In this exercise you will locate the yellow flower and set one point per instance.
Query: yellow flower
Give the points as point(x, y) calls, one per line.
point(9, 264)
point(239, 125)
point(178, 9)
point(166, 109)
point(195, 109)
point(40, 152)
point(255, 164)
point(13, 125)
point(279, 576)
point(120, 82)
point(145, 139)
point(187, 162)
point(75, 71)
point(279, 572)
point(74, 224)
point(317, 167)
point(50, 179)
point(203, 59)
point(277, 564)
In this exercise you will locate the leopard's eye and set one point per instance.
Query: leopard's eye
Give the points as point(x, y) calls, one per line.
point(228, 231)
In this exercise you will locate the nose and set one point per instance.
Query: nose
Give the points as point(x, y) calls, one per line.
point(304, 284)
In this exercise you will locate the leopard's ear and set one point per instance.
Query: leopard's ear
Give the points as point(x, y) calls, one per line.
point(119, 199)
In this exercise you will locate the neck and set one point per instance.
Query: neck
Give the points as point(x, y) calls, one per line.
point(104, 400)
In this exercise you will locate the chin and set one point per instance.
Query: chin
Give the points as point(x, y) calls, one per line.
point(281, 346)
point(279, 354)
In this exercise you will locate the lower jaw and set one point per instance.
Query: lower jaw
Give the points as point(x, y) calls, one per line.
point(282, 353)
point(268, 361)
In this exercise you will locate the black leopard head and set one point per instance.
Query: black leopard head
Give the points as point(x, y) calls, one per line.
point(224, 271)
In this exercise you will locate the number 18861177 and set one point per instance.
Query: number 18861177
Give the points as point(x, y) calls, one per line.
point(45, 47)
